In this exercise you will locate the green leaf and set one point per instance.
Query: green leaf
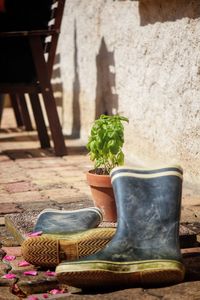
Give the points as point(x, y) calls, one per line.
point(106, 141)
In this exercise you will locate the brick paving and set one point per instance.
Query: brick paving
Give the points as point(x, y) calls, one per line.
point(32, 179)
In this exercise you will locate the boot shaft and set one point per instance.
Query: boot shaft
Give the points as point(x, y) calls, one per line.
point(148, 208)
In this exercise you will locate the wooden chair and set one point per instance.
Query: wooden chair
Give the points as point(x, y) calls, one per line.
point(40, 45)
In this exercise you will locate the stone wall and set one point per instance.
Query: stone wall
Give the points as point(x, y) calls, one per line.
point(140, 59)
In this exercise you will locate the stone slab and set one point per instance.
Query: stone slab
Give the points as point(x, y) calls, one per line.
point(5, 294)
point(19, 186)
point(19, 225)
point(6, 238)
point(13, 251)
point(8, 208)
point(4, 268)
point(37, 284)
point(184, 291)
point(2, 221)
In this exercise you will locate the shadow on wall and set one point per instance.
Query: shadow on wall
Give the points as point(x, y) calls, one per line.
point(56, 81)
point(76, 124)
point(76, 119)
point(152, 11)
point(106, 101)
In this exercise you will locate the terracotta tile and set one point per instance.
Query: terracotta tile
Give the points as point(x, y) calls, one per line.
point(16, 251)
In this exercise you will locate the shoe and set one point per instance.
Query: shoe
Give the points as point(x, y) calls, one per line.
point(145, 249)
point(66, 221)
point(49, 250)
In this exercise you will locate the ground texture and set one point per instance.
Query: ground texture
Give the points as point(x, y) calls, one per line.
point(32, 179)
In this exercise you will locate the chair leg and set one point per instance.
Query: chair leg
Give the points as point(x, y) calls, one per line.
point(54, 123)
point(47, 93)
point(25, 113)
point(39, 121)
point(16, 109)
point(1, 107)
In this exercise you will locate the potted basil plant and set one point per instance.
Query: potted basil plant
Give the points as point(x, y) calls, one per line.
point(105, 144)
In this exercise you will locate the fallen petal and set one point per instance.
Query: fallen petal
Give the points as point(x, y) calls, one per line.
point(9, 276)
point(45, 296)
point(23, 263)
point(55, 291)
point(32, 273)
point(37, 233)
point(9, 257)
point(49, 273)
point(33, 298)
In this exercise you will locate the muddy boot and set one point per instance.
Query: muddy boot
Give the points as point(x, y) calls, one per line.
point(49, 250)
point(145, 249)
point(65, 221)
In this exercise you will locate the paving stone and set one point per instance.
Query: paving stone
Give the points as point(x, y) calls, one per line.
point(7, 240)
point(2, 252)
point(58, 296)
point(65, 195)
point(16, 251)
point(31, 164)
point(9, 178)
point(20, 186)
point(2, 221)
point(191, 259)
point(185, 290)
point(2, 188)
point(7, 282)
point(4, 268)
point(6, 294)
point(4, 158)
point(18, 225)
point(6, 199)
point(16, 269)
point(135, 294)
point(27, 151)
point(29, 196)
point(39, 205)
point(8, 207)
point(37, 284)
point(42, 174)
point(49, 183)
point(54, 162)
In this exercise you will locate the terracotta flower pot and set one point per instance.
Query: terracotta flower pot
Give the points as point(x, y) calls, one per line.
point(102, 193)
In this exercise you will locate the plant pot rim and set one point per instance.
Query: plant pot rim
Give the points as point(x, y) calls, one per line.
point(98, 180)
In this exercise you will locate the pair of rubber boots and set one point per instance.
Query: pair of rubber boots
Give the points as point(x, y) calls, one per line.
point(145, 249)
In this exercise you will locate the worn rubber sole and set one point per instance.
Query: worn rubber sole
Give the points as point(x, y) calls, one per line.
point(99, 274)
point(49, 250)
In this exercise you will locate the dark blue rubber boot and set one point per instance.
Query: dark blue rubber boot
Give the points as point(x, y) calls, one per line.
point(54, 221)
point(145, 249)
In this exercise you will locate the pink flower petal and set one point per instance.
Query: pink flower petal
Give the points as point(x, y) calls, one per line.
point(32, 273)
point(49, 273)
point(9, 276)
point(23, 263)
point(45, 296)
point(32, 234)
point(55, 291)
point(33, 298)
point(9, 257)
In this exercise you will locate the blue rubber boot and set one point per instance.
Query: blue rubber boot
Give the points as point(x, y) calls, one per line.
point(145, 249)
point(54, 221)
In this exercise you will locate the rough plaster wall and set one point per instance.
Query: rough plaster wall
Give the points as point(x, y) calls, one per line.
point(140, 59)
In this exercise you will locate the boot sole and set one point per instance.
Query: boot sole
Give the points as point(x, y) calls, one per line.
point(49, 250)
point(86, 274)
